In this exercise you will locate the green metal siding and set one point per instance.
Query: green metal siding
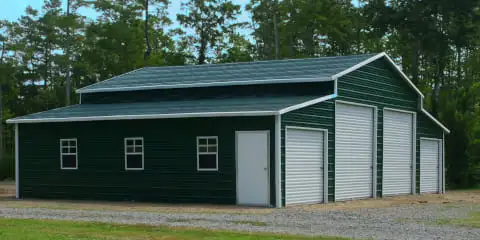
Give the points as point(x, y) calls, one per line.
point(322, 116)
point(378, 84)
point(170, 155)
point(287, 89)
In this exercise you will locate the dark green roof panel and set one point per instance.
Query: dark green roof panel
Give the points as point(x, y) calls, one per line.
point(264, 105)
point(280, 71)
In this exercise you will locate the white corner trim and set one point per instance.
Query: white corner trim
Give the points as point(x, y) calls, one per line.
point(17, 164)
point(278, 153)
point(443, 163)
point(307, 103)
point(209, 84)
point(147, 116)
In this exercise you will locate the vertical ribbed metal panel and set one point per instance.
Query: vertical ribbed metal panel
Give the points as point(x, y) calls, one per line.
point(429, 164)
point(304, 166)
point(354, 147)
point(397, 152)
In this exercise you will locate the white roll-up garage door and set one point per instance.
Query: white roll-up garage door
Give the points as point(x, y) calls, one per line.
point(304, 165)
point(354, 151)
point(430, 156)
point(397, 152)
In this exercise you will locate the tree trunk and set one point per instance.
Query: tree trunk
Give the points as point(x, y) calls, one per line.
point(147, 39)
point(415, 62)
point(275, 30)
point(1, 105)
point(68, 82)
point(203, 48)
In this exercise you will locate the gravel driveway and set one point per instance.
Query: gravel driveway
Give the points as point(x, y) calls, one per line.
point(399, 222)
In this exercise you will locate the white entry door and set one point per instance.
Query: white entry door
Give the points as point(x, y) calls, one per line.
point(252, 168)
point(398, 139)
point(305, 159)
point(354, 151)
point(430, 155)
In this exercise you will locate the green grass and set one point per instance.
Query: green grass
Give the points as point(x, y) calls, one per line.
point(27, 229)
point(472, 221)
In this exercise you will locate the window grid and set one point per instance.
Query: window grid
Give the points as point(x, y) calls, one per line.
point(133, 146)
point(207, 145)
point(68, 147)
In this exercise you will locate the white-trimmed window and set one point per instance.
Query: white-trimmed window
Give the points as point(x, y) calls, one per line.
point(68, 153)
point(134, 153)
point(207, 153)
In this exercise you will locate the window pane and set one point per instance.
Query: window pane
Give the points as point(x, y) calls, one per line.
point(202, 149)
point(202, 141)
point(207, 161)
point(212, 141)
point(64, 143)
point(69, 161)
point(134, 161)
point(73, 150)
point(64, 149)
point(138, 149)
point(73, 143)
point(129, 142)
point(212, 149)
point(129, 149)
point(138, 142)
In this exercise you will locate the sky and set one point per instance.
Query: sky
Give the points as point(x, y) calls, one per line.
point(12, 9)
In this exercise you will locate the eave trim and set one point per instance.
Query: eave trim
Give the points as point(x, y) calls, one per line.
point(146, 116)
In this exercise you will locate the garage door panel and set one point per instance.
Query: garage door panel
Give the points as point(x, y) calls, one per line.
point(398, 139)
point(429, 165)
point(304, 166)
point(354, 147)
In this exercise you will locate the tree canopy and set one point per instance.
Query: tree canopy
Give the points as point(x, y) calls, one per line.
point(48, 52)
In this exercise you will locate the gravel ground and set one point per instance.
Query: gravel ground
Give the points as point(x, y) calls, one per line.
point(400, 222)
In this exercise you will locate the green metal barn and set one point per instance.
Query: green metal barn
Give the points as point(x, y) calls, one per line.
point(266, 133)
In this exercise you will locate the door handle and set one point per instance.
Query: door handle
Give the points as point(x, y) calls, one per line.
point(265, 169)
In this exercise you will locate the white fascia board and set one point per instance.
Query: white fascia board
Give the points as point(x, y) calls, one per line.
point(359, 65)
point(436, 121)
point(307, 103)
point(210, 84)
point(149, 116)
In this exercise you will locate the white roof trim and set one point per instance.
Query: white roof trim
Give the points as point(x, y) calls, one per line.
point(435, 120)
point(147, 116)
point(374, 58)
point(307, 103)
point(359, 65)
point(213, 114)
point(211, 84)
point(81, 91)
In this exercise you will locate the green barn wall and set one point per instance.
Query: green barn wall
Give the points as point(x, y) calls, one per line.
point(320, 115)
point(379, 84)
point(170, 172)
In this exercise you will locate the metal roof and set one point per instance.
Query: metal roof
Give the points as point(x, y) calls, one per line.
point(260, 72)
point(245, 106)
